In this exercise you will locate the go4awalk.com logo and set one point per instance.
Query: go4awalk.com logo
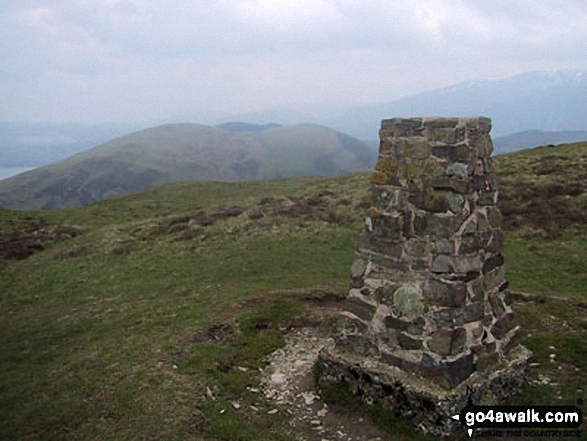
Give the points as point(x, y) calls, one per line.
point(521, 421)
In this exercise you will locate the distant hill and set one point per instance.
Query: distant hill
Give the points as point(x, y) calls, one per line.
point(247, 127)
point(535, 138)
point(534, 100)
point(177, 152)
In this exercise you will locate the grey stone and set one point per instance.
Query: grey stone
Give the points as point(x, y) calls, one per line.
point(358, 268)
point(492, 262)
point(496, 305)
point(444, 246)
point(415, 148)
point(415, 327)
point(420, 222)
point(440, 293)
point(408, 342)
point(408, 301)
point(493, 279)
point(447, 317)
point(359, 307)
point(449, 374)
point(384, 294)
point(417, 247)
point(504, 324)
point(457, 169)
point(453, 153)
point(494, 217)
point(456, 184)
point(456, 264)
point(448, 341)
point(456, 202)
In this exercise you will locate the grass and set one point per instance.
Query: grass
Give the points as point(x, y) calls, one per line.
point(121, 331)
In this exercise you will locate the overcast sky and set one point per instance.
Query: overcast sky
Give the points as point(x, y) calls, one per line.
point(203, 60)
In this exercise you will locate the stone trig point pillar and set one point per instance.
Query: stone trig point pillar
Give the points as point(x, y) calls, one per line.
point(428, 315)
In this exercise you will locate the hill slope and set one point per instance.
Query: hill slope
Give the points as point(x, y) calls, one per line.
point(177, 152)
point(147, 316)
point(535, 138)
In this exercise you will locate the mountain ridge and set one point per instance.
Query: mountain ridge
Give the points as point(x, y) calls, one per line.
point(186, 151)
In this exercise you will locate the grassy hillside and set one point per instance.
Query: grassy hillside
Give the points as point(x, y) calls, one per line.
point(535, 138)
point(146, 316)
point(178, 152)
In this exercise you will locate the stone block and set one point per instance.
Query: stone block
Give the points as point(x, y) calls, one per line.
point(384, 294)
point(387, 227)
point(440, 123)
point(473, 243)
point(493, 279)
point(444, 293)
point(449, 374)
point(359, 307)
point(415, 327)
point(401, 127)
point(497, 307)
point(496, 242)
point(447, 317)
point(487, 357)
point(416, 248)
point(352, 335)
point(420, 222)
point(408, 342)
point(444, 246)
point(448, 341)
point(414, 148)
point(456, 202)
point(385, 250)
point(492, 263)
point(453, 153)
point(494, 217)
point(443, 136)
point(443, 264)
point(458, 169)
point(504, 324)
point(407, 303)
point(358, 268)
point(456, 184)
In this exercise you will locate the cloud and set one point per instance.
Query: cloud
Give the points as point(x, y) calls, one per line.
point(146, 59)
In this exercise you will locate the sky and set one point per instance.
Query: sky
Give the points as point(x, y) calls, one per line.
point(206, 60)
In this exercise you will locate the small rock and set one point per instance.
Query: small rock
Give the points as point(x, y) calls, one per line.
point(222, 411)
point(242, 369)
point(235, 405)
point(277, 379)
point(272, 411)
point(309, 397)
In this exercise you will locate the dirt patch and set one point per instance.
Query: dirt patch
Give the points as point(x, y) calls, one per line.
point(288, 382)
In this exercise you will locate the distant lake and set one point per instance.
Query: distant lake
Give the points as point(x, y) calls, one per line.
point(6, 172)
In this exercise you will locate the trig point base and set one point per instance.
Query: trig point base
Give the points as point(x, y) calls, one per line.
point(428, 318)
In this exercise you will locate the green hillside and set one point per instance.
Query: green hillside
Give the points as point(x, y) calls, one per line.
point(146, 316)
point(178, 152)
